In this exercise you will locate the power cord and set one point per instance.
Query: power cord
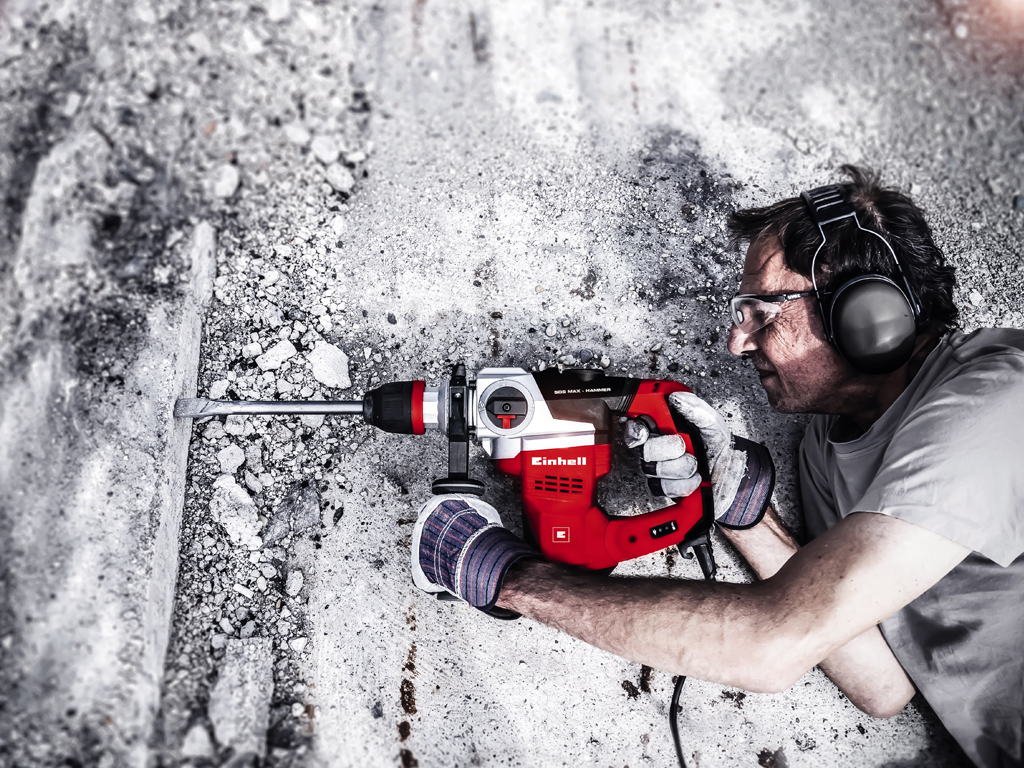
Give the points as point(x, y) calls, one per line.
point(701, 547)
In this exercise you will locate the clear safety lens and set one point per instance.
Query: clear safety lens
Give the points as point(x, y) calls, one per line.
point(750, 314)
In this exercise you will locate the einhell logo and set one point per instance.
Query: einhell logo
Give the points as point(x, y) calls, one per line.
point(560, 535)
point(540, 461)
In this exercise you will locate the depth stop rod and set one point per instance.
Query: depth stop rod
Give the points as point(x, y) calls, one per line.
point(200, 407)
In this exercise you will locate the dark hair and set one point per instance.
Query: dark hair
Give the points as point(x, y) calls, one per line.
point(849, 252)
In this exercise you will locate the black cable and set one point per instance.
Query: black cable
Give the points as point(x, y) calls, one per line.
point(673, 717)
point(705, 557)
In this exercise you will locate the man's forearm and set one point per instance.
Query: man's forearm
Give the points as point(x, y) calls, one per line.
point(712, 631)
point(865, 668)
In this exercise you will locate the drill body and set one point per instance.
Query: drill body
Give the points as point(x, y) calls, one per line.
point(552, 431)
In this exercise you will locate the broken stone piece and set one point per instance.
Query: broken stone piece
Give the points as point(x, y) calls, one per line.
point(297, 134)
point(303, 507)
point(225, 181)
point(252, 482)
point(240, 700)
point(294, 584)
point(330, 366)
point(340, 178)
point(277, 10)
point(230, 458)
point(234, 510)
point(298, 644)
point(219, 389)
point(197, 743)
point(235, 424)
point(252, 350)
point(271, 359)
point(199, 43)
point(326, 149)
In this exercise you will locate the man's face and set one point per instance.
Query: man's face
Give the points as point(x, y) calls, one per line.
point(799, 370)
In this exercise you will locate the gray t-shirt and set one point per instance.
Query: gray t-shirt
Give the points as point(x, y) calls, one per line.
point(946, 456)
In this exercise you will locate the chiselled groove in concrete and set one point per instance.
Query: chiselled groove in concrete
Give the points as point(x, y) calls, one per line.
point(91, 491)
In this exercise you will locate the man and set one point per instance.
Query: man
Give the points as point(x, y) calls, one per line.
point(914, 575)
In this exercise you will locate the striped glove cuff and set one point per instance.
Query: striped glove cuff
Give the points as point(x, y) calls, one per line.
point(466, 554)
point(755, 489)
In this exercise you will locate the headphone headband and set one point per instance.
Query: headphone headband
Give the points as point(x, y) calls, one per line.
point(870, 319)
point(829, 204)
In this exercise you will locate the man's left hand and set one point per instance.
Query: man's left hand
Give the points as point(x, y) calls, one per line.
point(460, 546)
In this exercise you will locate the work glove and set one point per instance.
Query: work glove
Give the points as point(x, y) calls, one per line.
point(460, 546)
point(742, 471)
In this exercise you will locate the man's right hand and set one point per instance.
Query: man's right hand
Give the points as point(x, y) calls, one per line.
point(742, 472)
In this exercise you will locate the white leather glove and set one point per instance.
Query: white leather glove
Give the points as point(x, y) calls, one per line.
point(742, 472)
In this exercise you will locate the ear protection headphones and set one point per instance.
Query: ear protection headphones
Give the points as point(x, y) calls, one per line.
point(870, 319)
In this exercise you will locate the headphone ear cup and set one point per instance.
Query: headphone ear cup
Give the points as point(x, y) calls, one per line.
point(872, 324)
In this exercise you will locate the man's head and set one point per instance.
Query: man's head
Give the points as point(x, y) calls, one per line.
point(799, 370)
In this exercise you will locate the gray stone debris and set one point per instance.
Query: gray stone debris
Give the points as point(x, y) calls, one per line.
point(271, 359)
point(299, 511)
point(339, 225)
point(278, 10)
point(235, 425)
point(330, 366)
point(197, 742)
point(296, 133)
point(294, 584)
point(340, 178)
point(230, 458)
point(225, 181)
point(303, 505)
point(326, 149)
point(233, 508)
point(240, 701)
point(199, 43)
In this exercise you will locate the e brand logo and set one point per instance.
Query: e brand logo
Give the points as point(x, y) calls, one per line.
point(560, 535)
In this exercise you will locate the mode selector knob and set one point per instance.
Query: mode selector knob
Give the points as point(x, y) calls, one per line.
point(506, 408)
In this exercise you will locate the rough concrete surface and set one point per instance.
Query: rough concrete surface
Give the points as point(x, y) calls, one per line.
point(395, 187)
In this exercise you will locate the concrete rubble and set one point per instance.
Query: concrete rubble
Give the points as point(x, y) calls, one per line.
point(296, 200)
point(239, 706)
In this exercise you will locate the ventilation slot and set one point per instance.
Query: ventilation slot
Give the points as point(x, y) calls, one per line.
point(552, 484)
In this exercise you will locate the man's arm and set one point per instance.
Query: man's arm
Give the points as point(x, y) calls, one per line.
point(865, 668)
point(761, 637)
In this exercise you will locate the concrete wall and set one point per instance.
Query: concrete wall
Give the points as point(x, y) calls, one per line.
point(104, 283)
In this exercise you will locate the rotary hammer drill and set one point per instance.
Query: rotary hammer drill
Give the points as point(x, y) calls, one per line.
point(551, 430)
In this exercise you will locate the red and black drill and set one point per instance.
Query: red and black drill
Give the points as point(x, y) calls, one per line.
point(552, 430)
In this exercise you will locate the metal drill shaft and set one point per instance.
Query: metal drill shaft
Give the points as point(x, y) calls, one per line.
point(200, 407)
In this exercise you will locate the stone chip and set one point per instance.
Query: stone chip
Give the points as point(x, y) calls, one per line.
point(240, 700)
point(271, 359)
point(230, 458)
point(326, 149)
point(340, 178)
point(235, 511)
point(330, 366)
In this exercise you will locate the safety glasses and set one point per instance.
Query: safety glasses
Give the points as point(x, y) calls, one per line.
point(751, 312)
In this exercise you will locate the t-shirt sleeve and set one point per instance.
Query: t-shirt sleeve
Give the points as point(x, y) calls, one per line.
point(955, 466)
point(816, 499)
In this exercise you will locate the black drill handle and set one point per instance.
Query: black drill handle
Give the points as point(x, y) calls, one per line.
point(458, 480)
